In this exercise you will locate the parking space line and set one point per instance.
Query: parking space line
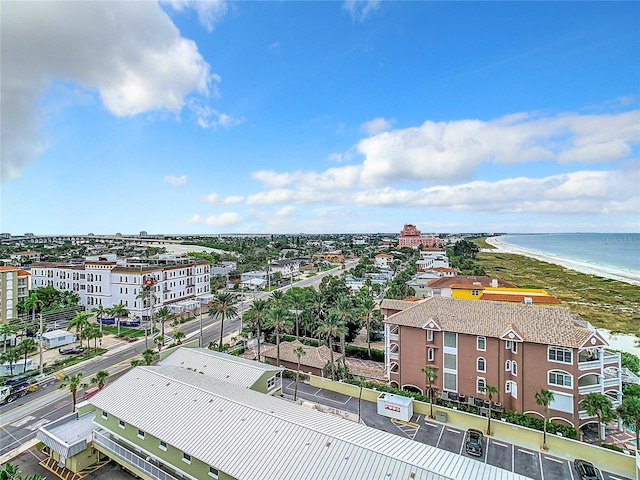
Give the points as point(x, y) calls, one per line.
point(453, 431)
point(526, 451)
point(493, 442)
point(541, 469)
point(614, 478)
point(439, 437)
point(554, 459)
point(431, 424)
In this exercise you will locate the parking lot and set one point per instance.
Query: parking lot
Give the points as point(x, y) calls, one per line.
point(531, 463)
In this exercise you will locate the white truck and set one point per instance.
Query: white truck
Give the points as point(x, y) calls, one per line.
point(8, 393)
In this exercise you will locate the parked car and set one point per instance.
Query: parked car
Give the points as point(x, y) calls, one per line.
point(587, 470)
point(90, 393)
point(474, 442)
point(71, 350)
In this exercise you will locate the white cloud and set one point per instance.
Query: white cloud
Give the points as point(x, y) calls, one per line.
point(209, 11)
point(130, 53)
point(335, 157)
point(226, 219)
point(376, 126)
point(287, 211)
point(215, 198)
point(360, 9)
point(173, 180)
point(209, 117)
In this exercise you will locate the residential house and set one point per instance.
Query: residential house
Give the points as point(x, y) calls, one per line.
point(518, 348)
point(383, 260)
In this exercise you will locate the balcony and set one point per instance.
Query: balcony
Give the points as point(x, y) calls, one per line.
point(593, 364)
point(613, 358)
point(583, 415)
point(123, 456)
point(611, 382)
point(585, 390)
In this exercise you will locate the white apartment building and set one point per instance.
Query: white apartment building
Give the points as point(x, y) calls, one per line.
point(432, 258)
point(108, 283)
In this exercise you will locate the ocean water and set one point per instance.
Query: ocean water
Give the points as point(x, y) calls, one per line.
point(620, 251)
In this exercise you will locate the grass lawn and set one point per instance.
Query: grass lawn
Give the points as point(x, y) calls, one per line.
point(126, 331)
point(604, 303)
point(482, 243)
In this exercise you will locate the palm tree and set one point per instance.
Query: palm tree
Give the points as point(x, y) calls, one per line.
point(318, 305)
point(136, 362)
point(94, 332)
point(430, 375)
point(80, 322)
point(26, 346)
point(100, 313)
point(295, 299)
point(367, 307)
point(33, 302)
point(159, 341)
point(256, 315)
point(6, 330)
point(277, 297)
point(100, 378)
point(299, 352)
point(11, 356)
point(599, 405)
point(629, 413)
point(148, 355)
point(73, 382)
point(223, 306)
point(178, 336)
point(164, 315)
point(278, 318)
point(119, 311)
point(490, 391)
point(544, 398)
point(344, 310)
point(330, 328)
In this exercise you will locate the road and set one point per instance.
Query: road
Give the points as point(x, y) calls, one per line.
point(22, 418)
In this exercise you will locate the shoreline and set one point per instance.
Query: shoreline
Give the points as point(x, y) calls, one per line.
point(582, 267)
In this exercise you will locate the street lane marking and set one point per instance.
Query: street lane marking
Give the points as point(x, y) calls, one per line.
point(38, 424)
point(554, 459)
point(499, 444)
point(19, 423)
point(525, 451)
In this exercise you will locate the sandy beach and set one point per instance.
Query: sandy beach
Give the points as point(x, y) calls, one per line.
point(582, 267)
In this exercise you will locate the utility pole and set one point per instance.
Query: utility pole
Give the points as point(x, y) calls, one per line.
point(41, 356)
point(201, 336)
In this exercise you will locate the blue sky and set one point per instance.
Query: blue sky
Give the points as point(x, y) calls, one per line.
point(320, 117)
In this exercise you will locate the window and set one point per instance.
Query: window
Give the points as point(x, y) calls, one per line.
point(475, 293)
point(481, 343)
point(140, 434)
point(105, 415)
point(481, 365)
point(508, 344)
point(507, 386)
point(430, 355)
point(450, 339)
point(480, 385)
point(507, 366)
point(514, 347)
point(213, 472)
point(121, 423)
point(450, 382)
point(450, 361)
point(163, 445)
point(514, 368)
point(271, 383)
point(186, 458)
point(429, 335)
point(560, 378)
point(560, 354)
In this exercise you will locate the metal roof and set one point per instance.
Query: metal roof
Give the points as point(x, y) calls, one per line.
point(250, 435)
point(69, 434)
point(222, 366)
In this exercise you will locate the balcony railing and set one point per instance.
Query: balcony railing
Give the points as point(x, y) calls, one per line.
point(583, 415)
point(394, 356)
point(596, 387)
point(394, 336)
point(589, 365)
point(611, 382)
point(613, 358)
point(131, 458)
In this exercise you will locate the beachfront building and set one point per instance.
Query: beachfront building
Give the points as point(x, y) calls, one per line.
point(109, 283)
point(518, 348)
point(430, 284)
point(411, 237)
point(14, 287)
point(186, 425)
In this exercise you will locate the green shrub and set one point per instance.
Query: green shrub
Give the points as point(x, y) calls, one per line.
point(361, 352)
point(610, 446)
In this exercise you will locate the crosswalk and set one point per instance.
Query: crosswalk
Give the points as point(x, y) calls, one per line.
point(33, 426)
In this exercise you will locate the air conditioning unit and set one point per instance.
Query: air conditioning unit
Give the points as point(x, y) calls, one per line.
point(528, 300)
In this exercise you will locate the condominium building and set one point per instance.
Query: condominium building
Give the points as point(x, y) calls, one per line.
point(518, 348)
point(14, 287)
point(109, 283)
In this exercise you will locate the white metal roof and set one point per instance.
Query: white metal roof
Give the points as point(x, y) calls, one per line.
point(250, 435)
point(222, 366)
point(57, 333)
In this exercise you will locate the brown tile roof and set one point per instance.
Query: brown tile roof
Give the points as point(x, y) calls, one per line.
point(316, 357)
point(519, 298)
point(466, 279)
point(9, 269)
point(391, 304)
point(548, 325)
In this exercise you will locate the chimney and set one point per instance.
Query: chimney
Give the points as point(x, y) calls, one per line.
point(494, 283)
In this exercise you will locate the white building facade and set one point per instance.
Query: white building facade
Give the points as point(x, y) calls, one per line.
point(109, 283)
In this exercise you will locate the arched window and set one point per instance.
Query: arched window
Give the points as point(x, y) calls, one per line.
point(481, 365)
point(514, 368)
point(507, 366)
